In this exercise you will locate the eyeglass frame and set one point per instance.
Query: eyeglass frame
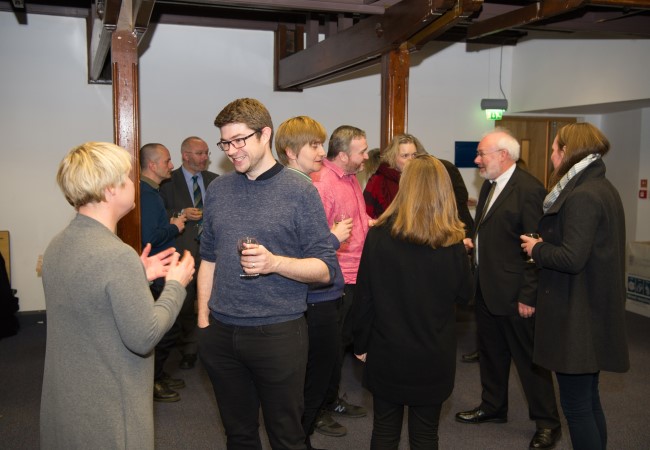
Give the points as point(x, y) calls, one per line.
point(221, 144)
point(207, 153)
point(481, 154)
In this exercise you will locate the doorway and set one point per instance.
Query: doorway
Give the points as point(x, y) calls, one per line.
point(536, 135)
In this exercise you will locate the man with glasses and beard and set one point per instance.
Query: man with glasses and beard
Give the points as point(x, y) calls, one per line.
point(252, 329)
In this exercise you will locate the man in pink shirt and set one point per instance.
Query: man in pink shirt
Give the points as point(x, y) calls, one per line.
point(343, 198)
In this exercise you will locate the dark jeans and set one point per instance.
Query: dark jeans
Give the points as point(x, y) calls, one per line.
point(322, 322)
point(345, 334)
point(168, 341)
point(580, 401)
point(258, 366)
point(387, 425)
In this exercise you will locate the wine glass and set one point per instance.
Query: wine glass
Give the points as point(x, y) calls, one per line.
point(340, 217)
point(530, 259)
point(241, 246)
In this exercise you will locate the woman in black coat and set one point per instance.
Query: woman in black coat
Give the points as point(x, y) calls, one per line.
point(580, 311)
point(413, 269)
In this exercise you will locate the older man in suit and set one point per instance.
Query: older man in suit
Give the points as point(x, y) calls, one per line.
point(183, 195)
point(510, 204)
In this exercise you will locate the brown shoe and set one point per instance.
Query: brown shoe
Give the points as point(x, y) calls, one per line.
point(173, 383)
point(162, 393)
point(326, 425)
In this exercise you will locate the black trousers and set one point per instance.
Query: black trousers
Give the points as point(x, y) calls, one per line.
point(502, 339)
point(258, 366)
point(387, 425)
point(188, 342)
point(345, 340)
point(168, 341)
point(322, 323)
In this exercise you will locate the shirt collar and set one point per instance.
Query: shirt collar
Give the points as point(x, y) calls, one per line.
point(502, 179)
point(273, 171)
point(150, 182)
point(304, 175)
point(334, 168)
point(189, 175)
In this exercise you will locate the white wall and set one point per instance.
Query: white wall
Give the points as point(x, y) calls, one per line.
point(624, 132)
point(46, 107)
point(643, 206)
point(562, 73)
point(187, 74)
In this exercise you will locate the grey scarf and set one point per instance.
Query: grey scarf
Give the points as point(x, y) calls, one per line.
point(573, 171)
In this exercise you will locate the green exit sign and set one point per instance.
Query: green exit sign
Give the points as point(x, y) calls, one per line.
point(494, 114)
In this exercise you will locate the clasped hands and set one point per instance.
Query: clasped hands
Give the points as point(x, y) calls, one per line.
point(169, 264)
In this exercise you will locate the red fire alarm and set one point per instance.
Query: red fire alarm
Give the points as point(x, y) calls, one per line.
point(644, 183)
point(643, 193)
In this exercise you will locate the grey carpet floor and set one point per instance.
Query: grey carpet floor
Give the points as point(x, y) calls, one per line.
point(193, 423)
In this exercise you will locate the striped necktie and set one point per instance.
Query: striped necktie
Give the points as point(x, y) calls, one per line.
point(198, 198)
point(198, 203)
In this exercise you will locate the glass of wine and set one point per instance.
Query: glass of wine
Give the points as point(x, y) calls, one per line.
point(241, 246)
point(530, 259)
point(340, 217)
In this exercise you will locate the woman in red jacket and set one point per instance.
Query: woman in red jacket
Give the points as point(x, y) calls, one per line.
point(382, 187)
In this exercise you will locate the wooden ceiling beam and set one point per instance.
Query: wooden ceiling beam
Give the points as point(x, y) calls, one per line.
point(523, 16)
point(142, 10)
point(101, 24)
point(364, 42)
point(640, 4)
point(357, 7)
point(460, 11)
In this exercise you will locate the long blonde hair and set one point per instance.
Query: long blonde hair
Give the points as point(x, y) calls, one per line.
point(424, 210)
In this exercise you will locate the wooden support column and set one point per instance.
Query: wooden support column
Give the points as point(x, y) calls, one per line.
point(126, 111)
point(394, 93)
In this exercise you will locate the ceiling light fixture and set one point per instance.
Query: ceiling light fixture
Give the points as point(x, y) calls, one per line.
point(495, 107)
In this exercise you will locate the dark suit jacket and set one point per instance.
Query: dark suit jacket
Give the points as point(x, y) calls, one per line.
point(176, 197)
point(504, 276)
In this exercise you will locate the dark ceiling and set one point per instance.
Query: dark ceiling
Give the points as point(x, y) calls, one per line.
point(374, 26)
point(509, 20)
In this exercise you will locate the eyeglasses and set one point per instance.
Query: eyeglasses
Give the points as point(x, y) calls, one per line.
point(482, 154)
point(236, 143)
point(205, 153)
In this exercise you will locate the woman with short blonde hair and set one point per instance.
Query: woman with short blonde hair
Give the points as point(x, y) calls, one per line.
point(102, 322)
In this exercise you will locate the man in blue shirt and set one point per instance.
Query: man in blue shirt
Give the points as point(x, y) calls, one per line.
point(160, 232)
